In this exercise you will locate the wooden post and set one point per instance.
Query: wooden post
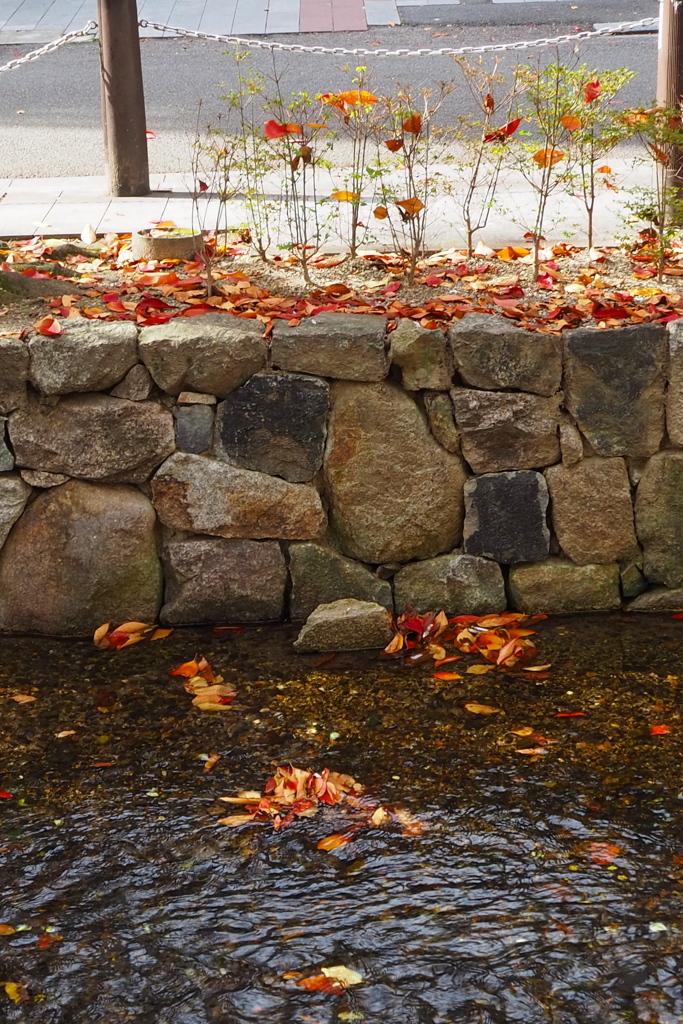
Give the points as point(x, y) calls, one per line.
point(670, 73)
point(123, 99)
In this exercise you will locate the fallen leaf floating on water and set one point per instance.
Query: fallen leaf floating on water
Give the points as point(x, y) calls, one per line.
point(659, 730)
point(345, 975)
point(446, 676)
point(525, 730)
point(45, 941)
point(7, 929)
point(64, 733)
point(211, 760)
point(321, 983)
point(126, 634)
point(479, 670)
point(23, 698)
point(532, 751)
point(210, 692)
point(4, 795)
point(603, 853)
point(16, 992)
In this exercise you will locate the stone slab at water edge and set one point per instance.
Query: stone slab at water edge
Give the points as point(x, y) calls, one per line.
point(196, 472)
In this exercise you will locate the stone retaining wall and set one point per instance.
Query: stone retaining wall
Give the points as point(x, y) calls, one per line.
point(192, 472)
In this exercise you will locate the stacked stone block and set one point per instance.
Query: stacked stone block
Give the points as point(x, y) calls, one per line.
point(194, 472)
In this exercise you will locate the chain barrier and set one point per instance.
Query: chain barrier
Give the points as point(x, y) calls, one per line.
point(87, 30)
point(445, 51)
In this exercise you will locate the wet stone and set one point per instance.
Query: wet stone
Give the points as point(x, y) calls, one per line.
point(592, 512)
point(505, 517)
point(94, 436)
point(193, 428)
point(658, 599)
point(492, 353)
point(13, 374)
point(558, 586)
point(6, 457)
point(82, 554)
point(633, 582)
point(439, 409)
point(385, 474)
point(423, 357)
point(14, 493)
point(504, 431)
point(86, 356)
point(136, 386)
point(659, 518)
point(345, 625)
point(614, 387)
point(321, 575)
point(203, 495)
point(456, 583)
point(214, 580)
point(276, 423)
point(339, 345)
point(213, 353)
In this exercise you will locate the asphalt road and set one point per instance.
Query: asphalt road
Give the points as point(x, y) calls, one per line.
point(50, 109)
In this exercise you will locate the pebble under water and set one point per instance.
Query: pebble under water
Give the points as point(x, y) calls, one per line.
point(130, 903)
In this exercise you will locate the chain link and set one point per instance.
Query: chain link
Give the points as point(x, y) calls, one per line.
point(445, 51)
point(87, 30)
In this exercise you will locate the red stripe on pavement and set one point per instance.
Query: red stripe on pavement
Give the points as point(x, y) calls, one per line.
point(348, 15)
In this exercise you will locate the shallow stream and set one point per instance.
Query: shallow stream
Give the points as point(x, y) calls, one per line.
point(501, 911)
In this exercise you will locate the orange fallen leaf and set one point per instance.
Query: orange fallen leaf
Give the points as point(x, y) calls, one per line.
point(100, 633)
point(482, 709)
point(531, 751)
point(7, 929)
point(394, 144)
point(659, 730)
point(320, 983)
point(395, 645)
point(211, 761)
point(23, 698)
point(64, 733)
point(413, 124)
point(345, 197)
point(548, 157)
point(570, 122)
point(48, 326)
point(380, 213)
point(357, 97)
point(411, 206)
point(447, 675)
point(333, 842)
point(45, 941)
point(446, 661)
point(160, 634)
point(603, 853)
point(187, 669)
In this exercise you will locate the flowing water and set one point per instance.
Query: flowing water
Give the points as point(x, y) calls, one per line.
point(500, 911)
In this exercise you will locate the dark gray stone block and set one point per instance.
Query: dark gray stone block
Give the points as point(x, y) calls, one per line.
point(276, 423)
point(505, 517)
point(193, 428)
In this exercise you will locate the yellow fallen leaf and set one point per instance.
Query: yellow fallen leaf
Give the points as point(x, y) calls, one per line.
point(160, 634)
point(100, 633)
point(17, 993)
point(344, 975)
point(211, 761)
point(525, 730)
point(236, 819)
point(132, 627)
point(7, 929)
point(482, 709)
point(345, 197)
point(380, 816)
point(537, 668)
point(479, 670)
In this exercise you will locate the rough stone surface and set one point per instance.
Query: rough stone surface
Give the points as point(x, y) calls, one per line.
point(423, 356)
point(13, 374)
point(501, 430)
point(93, 436)
point(214, 580)
point(215, 353)
point(558, 586)
point(14, 494)
point(394, 493)
point(571, 443)
point(674, 396)
point(321, 575)
point(275, 423)
point(439, 409)
point(35, 478)
point(505, 517)
point(196, 398)
point(339, 345)
point(659, 599)
point(84, 357)
point(614, 387)
point(592, 512)
point(193, 428)
point(659, 518)
point(6, 457)
point(345, 625)
point(456, 583)
point(136, 386)
point(82, 554)
point(633, 582)
point(206, 496)
point(492, 353)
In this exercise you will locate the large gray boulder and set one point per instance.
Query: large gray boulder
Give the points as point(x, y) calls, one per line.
point(215, 353)
point(13, 374)
point(339, 345)
point(394, 493)
point(505, 517)
point(345, 625)
point(501, 430)
point(86, 356)
point(614, 387)
point(275, 423)
point(321, 575)
point(674, 395)
point(491, 353)
point(14, 493)
point(209, 579)
point(592, 512)
point(456, 584)
point(423, 356)
point(659, 518)
point(203, 495)
point(81, 555)
point(93, 436)
point(558, 586)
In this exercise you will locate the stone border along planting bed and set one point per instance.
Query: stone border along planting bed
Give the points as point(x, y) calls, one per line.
point(190, 473)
